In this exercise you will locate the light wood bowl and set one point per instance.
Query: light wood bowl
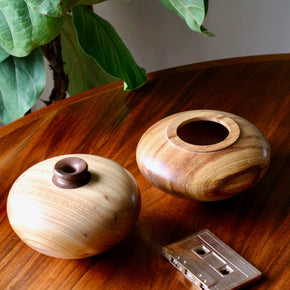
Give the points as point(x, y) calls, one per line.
point(203, 154)
point(78, 221)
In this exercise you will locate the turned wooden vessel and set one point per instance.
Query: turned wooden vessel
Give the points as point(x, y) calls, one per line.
point(203, 154)
point(73, 206)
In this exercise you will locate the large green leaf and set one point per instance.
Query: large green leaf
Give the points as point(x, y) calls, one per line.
point(3, 54)
point(83, 71)
point(22, 29)
point(192, 11)
point(57, 8)
point(21, 83)
point(100, 40)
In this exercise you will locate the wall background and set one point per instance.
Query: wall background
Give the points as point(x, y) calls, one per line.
point(159, 39)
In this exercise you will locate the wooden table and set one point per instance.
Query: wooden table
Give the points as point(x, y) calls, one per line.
point(108, 121)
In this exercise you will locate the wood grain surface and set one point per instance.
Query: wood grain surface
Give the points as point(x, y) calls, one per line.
point(109, 122)
point(183, 156)
point(77, 222)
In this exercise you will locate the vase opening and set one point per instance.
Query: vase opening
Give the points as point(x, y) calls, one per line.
point(69, 166)
point(202, 132)
point(71, 172)
point(68, 169)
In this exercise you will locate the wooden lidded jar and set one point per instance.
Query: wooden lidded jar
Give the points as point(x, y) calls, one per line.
point(203, 154)
point(73, 206)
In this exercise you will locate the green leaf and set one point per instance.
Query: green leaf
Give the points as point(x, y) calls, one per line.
point(83, 71)
point(3, 54)
point(21, 82)
point(100, 40)
point(22, 29)
point(57, 8)
point(192, 11)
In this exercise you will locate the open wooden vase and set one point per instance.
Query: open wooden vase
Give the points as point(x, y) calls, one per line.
point(73, 206)
point(203, 154)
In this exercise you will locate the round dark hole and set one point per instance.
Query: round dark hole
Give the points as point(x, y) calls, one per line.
point(202, 132)
point(225, 271)
point(200, 251)
point(65, 168)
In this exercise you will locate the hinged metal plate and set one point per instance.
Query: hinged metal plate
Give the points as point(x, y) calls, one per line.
point(209, 263)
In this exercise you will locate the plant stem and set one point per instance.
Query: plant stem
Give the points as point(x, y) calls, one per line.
point(52, 51)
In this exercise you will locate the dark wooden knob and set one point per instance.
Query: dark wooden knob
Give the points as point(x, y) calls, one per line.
point(71, 172)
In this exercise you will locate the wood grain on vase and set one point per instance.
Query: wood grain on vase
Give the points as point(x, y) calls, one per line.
point(109, 122)
point(78, 222)
point(184, 156)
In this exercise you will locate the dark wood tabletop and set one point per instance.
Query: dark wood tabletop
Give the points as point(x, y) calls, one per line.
point(109, 122)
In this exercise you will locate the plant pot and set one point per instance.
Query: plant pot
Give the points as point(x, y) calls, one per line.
point(203, 154)
point(85, 207)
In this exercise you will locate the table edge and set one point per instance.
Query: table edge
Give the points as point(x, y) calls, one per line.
point(151, 76)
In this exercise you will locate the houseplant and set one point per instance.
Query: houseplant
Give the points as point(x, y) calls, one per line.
point(68, 33)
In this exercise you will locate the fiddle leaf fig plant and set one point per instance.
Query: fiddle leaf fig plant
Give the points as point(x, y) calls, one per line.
point(108, 50)
point(21, 81)
point(83, 69)
point(82, 48)
point(23, 28)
